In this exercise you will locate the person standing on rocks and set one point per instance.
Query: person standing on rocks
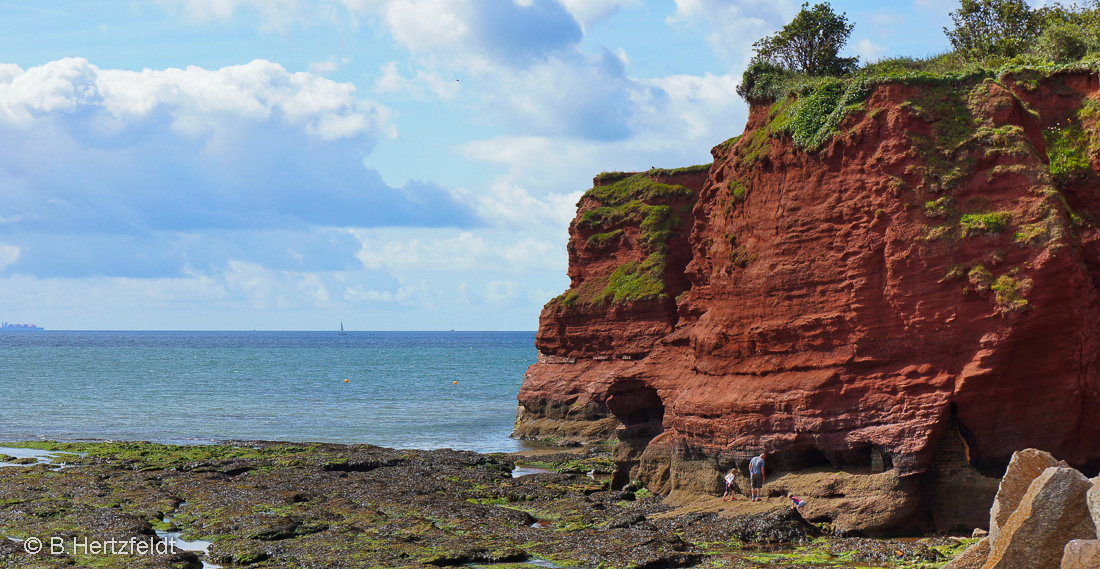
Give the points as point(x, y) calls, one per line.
point(756, 476)
point(729, 485)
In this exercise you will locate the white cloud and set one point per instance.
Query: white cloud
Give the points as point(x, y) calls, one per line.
point(444, 88)
point(475, 34)
point(117, 151)
point(589, 11)
point(465, 251)
point(360, 294)
point(736, 24)
point(324, 67)
point(428, 25)
point(488, 251)
point(510, 206)
point(267, 289)
point(695, 114)
point(111, 294)
point(503, 292)
point(580, 96)
point(391, 81)
point(199, 101)
point(868, 51)
point(701, 108)
point(529, 250)
point(274, 14)
point(8, 255)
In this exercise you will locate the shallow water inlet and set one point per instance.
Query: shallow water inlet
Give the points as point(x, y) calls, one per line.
point(40, 456)
point(527, 471)
point(198, 545)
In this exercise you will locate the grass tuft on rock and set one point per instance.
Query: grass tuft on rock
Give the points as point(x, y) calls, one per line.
point(984, 223)
point(1067, 149)
point(633, 281)
point(1009, 293)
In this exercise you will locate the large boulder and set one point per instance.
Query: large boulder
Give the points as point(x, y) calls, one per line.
point(1093, 499)
point(1051, 513)
point(866, 504)
point(1081, 554)
point(973, 558)
point(1026, 465)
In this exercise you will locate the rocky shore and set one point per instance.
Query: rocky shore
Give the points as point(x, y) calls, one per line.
point(265, 504)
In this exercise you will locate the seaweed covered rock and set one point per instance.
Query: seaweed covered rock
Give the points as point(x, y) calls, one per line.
point(783, 525)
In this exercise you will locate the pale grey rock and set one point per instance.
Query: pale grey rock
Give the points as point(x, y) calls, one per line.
point(1024, 467)
point(1051, 513)
point(1081, 554)
point(973, 558)
point(1093, 500)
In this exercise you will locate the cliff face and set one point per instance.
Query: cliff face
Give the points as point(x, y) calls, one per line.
point(929, 274)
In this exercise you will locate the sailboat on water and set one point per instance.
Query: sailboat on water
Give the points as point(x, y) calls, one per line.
point(342, 332)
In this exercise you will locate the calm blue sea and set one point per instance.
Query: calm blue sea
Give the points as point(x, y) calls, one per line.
point(201, 387)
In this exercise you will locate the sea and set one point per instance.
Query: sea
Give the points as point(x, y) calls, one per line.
point(424, 390)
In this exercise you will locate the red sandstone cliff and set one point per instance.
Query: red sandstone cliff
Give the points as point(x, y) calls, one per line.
point(928, 276)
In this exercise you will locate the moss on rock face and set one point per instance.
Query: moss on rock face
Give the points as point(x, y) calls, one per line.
point(636, 187)
point(820, 110)
point(940, 208)
point(635, 200)
point(1067, 148)
point(1009, 293)
point(623, 201)
point(984, 223)
point(600, 240)
point(633, 281)
point(737, 189)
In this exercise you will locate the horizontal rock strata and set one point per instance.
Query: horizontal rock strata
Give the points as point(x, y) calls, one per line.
point(928, 276)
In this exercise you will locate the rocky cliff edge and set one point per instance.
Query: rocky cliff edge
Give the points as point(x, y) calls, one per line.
point(903, 302)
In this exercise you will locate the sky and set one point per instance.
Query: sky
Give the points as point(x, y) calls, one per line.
point(388, 164)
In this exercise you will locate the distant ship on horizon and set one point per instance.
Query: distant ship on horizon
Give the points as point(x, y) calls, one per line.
point(19, 327)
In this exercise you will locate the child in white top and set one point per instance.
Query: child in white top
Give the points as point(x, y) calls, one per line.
point(729, 486)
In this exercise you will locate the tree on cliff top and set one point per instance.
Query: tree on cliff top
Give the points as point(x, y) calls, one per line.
point(810, 43)
point(993, 31)
point(985, 28)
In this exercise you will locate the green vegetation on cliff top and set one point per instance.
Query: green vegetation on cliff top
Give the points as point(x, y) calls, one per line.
point(632, 200)
point(992, 39)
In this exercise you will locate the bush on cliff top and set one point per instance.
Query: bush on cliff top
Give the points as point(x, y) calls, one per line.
point(992, 38)
point(985, 28)
point(810, 43)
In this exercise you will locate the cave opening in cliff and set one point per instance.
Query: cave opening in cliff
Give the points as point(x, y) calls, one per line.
point(959, 440)
point(639, 408)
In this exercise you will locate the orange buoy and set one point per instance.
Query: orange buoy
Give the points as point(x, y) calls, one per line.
point(455, 383)
point(345, 381)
